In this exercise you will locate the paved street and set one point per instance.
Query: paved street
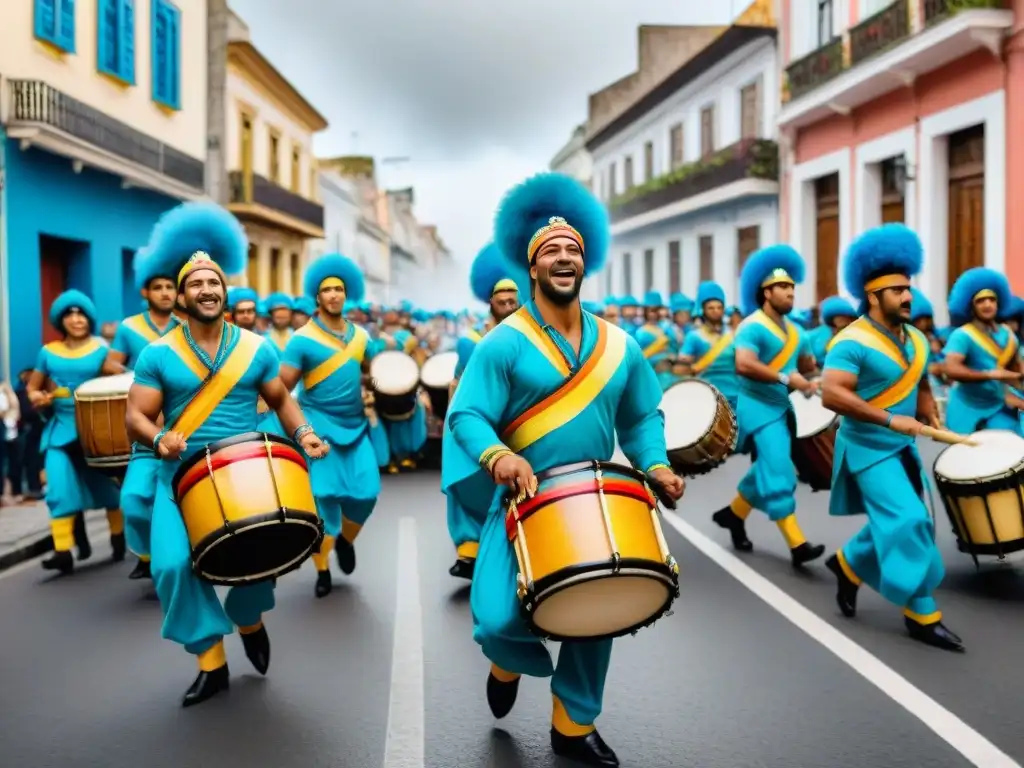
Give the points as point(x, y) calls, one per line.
point(739, 676)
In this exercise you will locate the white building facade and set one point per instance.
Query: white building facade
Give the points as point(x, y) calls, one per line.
point(574, 160)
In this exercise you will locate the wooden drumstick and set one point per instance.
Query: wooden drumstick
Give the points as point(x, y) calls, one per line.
point(945, 436)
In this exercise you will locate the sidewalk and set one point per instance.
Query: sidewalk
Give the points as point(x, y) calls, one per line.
point(25, 532)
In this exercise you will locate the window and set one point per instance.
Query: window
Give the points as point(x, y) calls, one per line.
point(648, 161)
point(627, 168)
point(627, 274)
point(707, 130)
point(649, 269)
point(296, 167)
point(707, 263)
point(166, 54)
point(609, 283)
point(274, 158)
point(750, 111)
point(675, 267)
point(825, 25)
point(115, 43)
point(675, 138)
point(314, 184)
point(55, 23)
point(748, 240)
point(611, 181)
point(296, 270)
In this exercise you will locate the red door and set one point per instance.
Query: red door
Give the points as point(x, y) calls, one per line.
point(53, 274)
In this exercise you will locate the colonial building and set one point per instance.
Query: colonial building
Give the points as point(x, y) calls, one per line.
point(901, 111)
point(272, 170)
point(685, 158)
point(574, 160)
point(103, 129)
point(422, 270)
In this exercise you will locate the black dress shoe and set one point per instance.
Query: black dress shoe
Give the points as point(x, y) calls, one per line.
point(60, 561)
point(463, 568)
point(588, 750)
point(257, 649)
point(117, 544)
point(206, 686)
point(805, 553)
point(846, 594)
point(737, 528)
point(935, 635)
point(141, 571)
point(501, 697)
point(324, 585)
point(346, 553)
point(82, 542)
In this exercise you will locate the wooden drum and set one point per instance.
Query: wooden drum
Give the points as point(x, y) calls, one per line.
point(248, 508)
point(700, 427)
point(593, 562)
point(814, 440)
point(100, 409)
point(437, 376)
point(396, 379)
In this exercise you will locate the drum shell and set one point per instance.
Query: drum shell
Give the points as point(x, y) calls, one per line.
point(713, 447)
point(814, 456)
point(250, 517)
point(399, 404)
point(103, 432)
point(987, 514)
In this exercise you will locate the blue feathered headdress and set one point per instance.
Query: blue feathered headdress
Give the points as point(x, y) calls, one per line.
point(489, 268)
point(920, 306)
point(237, 294)
point(654, 300)
point(760, 266)
point(1013, 312)
point(709, 290)
point(341, 267)
point(970, 284)
point(305, 305)
point(66, 302)
point(679, 302)
point(593, 307)
point(835, 306)
point(530, 206)
point(892, 249)
point(145, 270)
point(278, 300)
point(196, 227)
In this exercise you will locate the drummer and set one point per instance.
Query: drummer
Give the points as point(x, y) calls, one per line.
point(771, 352)
point(279, 306)
point(876, 377)
point(303, 308)
point(71, 486)
point(171, 380)
point(708, 351)
point(558, 229)
point(836, 313)
point(491, 280)
point(132, 336)
point(330, 356)
point(982, 356)
point(407, 436)
point(242, 307)
point(657, 339)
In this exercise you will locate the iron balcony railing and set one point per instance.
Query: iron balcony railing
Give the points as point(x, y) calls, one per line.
point(253, 188)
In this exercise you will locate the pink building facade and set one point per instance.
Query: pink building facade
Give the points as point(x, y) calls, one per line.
point(905, 110)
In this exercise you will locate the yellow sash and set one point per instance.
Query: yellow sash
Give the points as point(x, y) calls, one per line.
point(60, 349)
point(574, 394)
point(280, 338)
point(473, 336)
point(709, 357)
point(659, 343)
point(1003, 355)
point(790, 339)
point(138, 324)
point(354, 350)
point(216, 385)
point(864, 333)
point(522, 321)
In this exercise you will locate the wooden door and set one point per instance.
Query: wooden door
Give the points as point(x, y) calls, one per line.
point(893, 212)
point(252, 269)
point(827, 236)
point(966, 202)
point(53, 278)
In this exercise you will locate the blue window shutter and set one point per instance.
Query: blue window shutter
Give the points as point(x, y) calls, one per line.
point(66, 37)
point(106, 37)
point(159, 53)
point(174, 58)
point(46, 19)
point(127, 41)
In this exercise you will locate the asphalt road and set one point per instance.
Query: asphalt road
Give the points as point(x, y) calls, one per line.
point(727, 681)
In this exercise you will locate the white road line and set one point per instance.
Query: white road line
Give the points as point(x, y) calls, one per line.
point(94, 529)
point(950, 728)
point(404, 747)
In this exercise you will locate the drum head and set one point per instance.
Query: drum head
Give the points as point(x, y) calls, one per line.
point(394, 373)
point(106, 385)
point(439, 371)
point(258, 552)
point(602, 607)
point(690, 408)
point(812, 416)
point(998, 451)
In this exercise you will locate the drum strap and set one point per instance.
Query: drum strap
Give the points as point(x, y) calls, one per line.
point(354, 350)
point(572, 397)
point(137, 324)
point(790, 339)
point(709, 357)
point(660, 341)
point(1003, 355)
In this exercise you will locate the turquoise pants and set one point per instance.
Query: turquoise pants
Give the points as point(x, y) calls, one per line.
point(770, 483)
point(137, 493)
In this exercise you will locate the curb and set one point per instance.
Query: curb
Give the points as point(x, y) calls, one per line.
point(26, 549)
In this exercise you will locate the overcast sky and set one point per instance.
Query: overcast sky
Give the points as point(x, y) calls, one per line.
point(478, 95)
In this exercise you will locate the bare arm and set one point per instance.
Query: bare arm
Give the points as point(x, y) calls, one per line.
point(289, 376)
point(956, 371)
point(749, 365)
point(144, 414)
point(807, 366)
point(927, 410)
point(277, 396)
point(35, 387)
point(114, 363)
point(838, 394)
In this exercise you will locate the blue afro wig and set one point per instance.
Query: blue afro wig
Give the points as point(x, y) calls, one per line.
point(920, 306)
point(1015, 311)
point(191, 227)
point(888, 249)
point(759, 268)
point(709, 290)
point(304, 304)
point(238, 294)
point(341, 267)
point(279, 300)
point(66, 302)
point(835, 306)
point(967, 286)
point(489, 267)
point(654, 300)
point(529, 206)
point(593, 307)
point(143, 268)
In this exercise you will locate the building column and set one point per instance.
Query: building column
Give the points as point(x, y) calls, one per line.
point(263, 268)
point(284, 269)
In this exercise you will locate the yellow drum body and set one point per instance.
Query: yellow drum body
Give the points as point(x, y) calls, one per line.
point(248, 508)
point(101, 406)
point(593, 562)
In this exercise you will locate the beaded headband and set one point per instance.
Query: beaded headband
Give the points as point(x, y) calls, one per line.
point(199, 260)
point(556, 227)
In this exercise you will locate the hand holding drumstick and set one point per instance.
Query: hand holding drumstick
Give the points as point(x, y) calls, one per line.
point(907, 425)
point(516, 473)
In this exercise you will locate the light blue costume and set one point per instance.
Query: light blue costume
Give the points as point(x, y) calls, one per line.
point(717, 367)
point(658, 341)
point(269, 422)
point(238, 295)
point(831, 308)
point(975, 405)
point(405, 436)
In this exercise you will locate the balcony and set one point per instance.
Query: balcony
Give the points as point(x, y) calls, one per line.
point(750, 166)
point(888, 51)
point(258, 199)
point(42, 116)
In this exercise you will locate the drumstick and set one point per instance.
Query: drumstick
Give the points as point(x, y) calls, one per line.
point(945, 436)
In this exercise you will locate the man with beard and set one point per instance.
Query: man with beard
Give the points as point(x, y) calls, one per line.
point(133, 335)
point(836, 313)
point(496, 284)
point(708, 351)
point(280, 306)
point(876, 378)
point(982, 356)
point(771, 352)
point(242, 308)
point(550, 386)
point(331, 356)
point(203, 378)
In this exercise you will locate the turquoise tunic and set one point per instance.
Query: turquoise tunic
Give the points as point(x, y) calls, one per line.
point(980, 404)
point(879, 472)
point(346, 482)
point(720, 371)
point(658, 343)
point(135, 333)
point(818, 339)
point(763, 415)
point(508, 374)
point(193, 615)
point(71, 486)
point(406, 437)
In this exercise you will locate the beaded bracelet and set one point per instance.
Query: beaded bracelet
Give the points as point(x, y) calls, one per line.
point(300, 432)
point(888, 421)
point(159, 436)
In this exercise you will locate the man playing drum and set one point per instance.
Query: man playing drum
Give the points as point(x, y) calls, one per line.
point(876, 376)
point(708, 352)
point(492, 282)
point(204, 379)
point(566, 381)
point(770, 352)
point(330, 356)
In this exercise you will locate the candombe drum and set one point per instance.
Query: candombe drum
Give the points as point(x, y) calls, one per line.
point(248, 509)
point(100, 409)
point(437, 376)
point(593, 562)
point(814, 442)
point(982, 489)
point(700, 427)
point(396, 378)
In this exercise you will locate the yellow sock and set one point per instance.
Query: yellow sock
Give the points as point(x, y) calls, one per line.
point(923, 619)
point(847, 570)
point(740, 507)
point(564, 724)
point(501, 675)
point(63, 531)
point(467, 550)
point(213, 657)
point(791, 531)
point(115, 520)
point(349, 530)
point(144, 558)
point(320, 559)
point(250, 629)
